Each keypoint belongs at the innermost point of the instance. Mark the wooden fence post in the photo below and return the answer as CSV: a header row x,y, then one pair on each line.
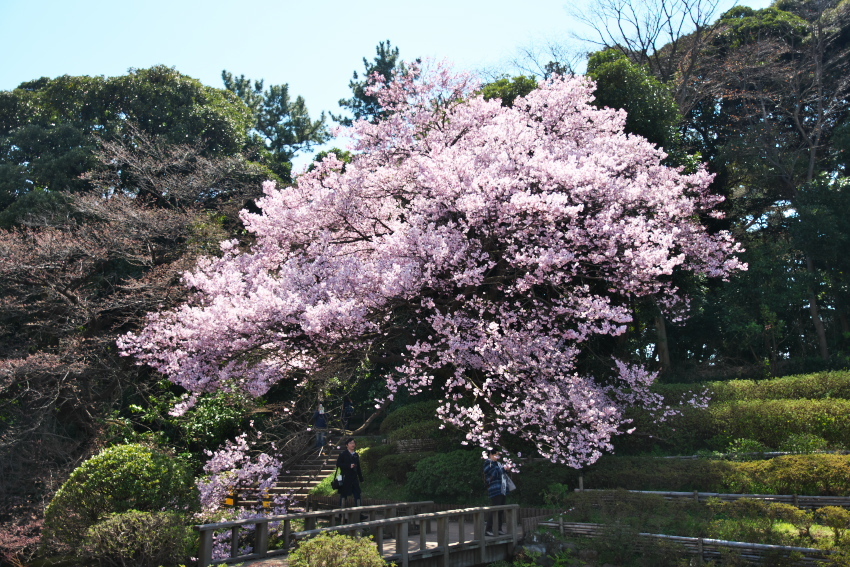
x,y
206,548
401,544
443,538
261,538
481,528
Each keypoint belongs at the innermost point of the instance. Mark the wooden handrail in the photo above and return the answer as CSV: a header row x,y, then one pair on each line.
x,y
403,555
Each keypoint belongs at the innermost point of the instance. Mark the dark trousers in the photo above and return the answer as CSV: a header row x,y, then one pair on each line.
x,y
499,500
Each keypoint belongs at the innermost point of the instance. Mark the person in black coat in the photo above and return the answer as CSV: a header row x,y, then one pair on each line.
x,y
352,475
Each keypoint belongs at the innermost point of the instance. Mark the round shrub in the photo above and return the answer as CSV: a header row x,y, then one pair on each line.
x,y
413,413
455,477
398,467
140,539
804,443
419,430
370,456
336,550
119,479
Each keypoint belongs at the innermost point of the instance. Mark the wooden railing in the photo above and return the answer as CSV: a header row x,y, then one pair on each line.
x,y
800,501
310,519
473,545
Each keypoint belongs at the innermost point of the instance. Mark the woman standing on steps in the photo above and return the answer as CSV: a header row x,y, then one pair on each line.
x,y
349,463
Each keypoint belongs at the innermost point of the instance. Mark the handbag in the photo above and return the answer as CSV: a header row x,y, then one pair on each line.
x,y
336,483
509,484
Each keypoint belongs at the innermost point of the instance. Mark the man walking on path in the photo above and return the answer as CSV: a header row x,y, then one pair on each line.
x,y
320,419
348,463
495,478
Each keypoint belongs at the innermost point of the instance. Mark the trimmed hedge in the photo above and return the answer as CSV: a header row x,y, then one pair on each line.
x,y
455,477
119,479
140,539
816,386
398,467
370,456
410,414
770,422
814,475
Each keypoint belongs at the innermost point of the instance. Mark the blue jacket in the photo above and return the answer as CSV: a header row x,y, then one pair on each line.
x,y
493,473
321,420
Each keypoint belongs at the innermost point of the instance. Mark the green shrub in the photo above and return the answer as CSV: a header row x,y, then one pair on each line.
x,y
823,475
370,456
769,422
448,477
804,443
816,386
119,479
772,421
336,550
407,415
837,519
745,447
535,477
397,467
140,539
819,474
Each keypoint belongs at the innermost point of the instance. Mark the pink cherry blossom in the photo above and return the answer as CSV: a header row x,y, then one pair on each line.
x,y
482,246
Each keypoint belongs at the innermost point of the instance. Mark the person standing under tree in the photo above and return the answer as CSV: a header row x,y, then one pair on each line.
x,y
320,418
347,411
496,480
349,464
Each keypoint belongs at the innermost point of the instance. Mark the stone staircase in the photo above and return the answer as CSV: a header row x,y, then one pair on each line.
x,y
303,475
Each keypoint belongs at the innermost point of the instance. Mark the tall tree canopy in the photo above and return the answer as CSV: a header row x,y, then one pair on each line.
x,y
364,104
50,128
469,246
282,127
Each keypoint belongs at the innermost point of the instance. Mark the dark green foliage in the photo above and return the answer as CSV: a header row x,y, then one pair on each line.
x,y
50,207
410,414
49,128
119,479
620,83
454,477
333,549
140,539
398,467
816,475
370,457
364,106
508,90
535,477
281,126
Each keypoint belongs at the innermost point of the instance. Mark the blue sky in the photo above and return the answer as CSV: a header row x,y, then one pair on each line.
x,y
313,46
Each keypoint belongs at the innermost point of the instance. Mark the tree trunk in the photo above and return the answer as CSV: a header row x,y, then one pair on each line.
x,y
662,346
372,417
815,313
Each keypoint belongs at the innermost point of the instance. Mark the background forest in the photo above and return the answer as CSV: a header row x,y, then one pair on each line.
x,y
112,187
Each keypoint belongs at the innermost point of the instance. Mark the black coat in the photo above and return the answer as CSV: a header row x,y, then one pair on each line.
x,y
350,476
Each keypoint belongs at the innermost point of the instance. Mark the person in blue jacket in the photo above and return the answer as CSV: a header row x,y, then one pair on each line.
x,y
320,419
495,478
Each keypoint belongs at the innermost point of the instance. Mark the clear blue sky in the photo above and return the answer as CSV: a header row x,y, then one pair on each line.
x,y
313,46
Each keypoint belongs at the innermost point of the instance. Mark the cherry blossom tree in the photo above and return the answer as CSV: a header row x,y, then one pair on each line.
x,y
469,246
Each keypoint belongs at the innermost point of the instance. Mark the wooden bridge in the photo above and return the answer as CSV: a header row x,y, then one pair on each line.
x,y
420,537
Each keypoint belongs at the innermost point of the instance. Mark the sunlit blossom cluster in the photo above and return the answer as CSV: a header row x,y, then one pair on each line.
x,y
507,237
